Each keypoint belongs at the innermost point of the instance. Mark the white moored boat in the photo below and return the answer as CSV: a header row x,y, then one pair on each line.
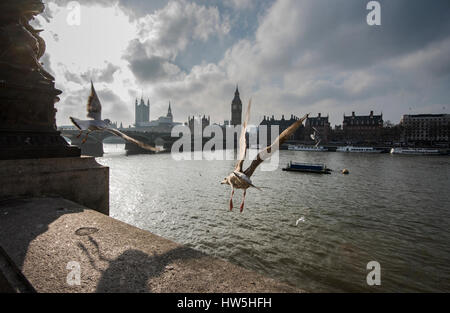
x,y
307,148
358,149
415,151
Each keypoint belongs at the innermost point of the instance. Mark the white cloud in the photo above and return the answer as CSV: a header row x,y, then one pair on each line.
x,y
169,30
240,4
433,60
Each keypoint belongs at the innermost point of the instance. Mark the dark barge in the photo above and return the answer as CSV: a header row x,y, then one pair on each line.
x,y
307,168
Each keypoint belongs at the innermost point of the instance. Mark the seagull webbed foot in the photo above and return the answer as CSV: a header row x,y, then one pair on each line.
x,y
243,199
231,200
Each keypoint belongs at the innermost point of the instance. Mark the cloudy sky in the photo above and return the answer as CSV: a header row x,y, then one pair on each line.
x,y
291,56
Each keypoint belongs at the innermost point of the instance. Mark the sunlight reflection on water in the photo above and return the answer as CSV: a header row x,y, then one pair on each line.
x,y
392,209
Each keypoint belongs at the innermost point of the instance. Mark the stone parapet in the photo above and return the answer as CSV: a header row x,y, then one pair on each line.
x,y
80,179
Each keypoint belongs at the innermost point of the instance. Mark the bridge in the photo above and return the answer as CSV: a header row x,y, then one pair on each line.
x,y
94,143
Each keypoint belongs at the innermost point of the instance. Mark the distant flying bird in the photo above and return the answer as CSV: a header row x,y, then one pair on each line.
x,y
95,123
241,179
301,219
315,136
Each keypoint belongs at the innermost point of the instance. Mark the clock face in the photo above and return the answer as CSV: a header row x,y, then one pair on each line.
x,y
234,107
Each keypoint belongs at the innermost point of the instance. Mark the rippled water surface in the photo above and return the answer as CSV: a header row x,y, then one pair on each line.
x,y
390,209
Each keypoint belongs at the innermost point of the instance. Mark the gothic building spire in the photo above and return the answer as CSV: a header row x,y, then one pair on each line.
x,y
142,111
169,112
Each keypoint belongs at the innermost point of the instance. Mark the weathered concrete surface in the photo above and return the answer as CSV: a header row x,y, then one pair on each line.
x,y
43,235
79,179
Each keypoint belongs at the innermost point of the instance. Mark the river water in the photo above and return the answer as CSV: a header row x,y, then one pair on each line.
x,y
316,232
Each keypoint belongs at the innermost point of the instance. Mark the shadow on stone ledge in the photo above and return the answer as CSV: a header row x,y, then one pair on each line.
x,y
131,271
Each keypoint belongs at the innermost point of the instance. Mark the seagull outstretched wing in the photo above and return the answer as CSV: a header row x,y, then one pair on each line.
x,y
80,124
243,140
88,124
94,107
267,152
130,139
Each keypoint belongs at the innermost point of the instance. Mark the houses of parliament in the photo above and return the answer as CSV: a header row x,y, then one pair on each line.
x,y
143,122
356,129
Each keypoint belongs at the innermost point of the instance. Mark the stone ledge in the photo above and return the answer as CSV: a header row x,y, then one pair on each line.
x,y
42,235
80,179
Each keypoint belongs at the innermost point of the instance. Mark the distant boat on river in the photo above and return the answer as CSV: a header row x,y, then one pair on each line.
x,y
415,151
307,148
307,167
358,149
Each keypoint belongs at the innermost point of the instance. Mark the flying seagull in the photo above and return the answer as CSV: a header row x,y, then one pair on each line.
x,y
241,179
301,219
315,136
95,122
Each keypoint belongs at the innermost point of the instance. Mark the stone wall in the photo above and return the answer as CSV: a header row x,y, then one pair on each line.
x,y
81,180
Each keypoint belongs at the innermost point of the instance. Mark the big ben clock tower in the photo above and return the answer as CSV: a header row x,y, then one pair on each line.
x,y
236,109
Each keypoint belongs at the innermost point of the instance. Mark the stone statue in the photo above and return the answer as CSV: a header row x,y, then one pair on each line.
x,y
21,47
27,90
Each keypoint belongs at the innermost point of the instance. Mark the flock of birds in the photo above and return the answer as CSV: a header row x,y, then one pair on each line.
x,y
238,179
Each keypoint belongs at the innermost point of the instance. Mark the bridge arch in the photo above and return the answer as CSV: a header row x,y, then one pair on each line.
x,y
94,143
